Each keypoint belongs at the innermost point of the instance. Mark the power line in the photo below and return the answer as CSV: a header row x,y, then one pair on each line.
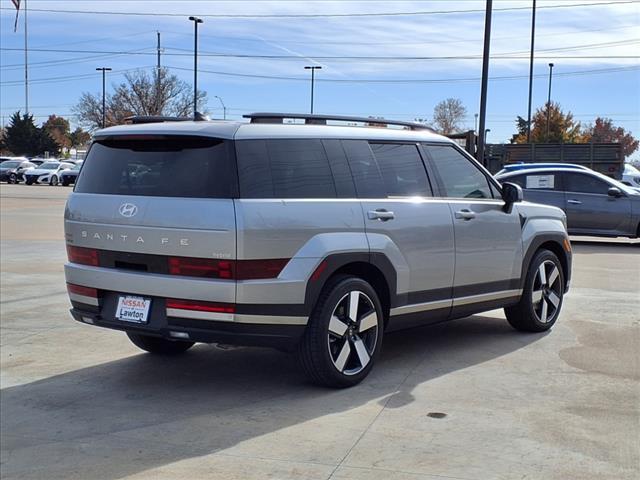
x,y
70,77
326,15
340,80
69,61
331,57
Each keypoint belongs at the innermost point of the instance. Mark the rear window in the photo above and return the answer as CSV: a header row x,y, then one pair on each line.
x,y
160,166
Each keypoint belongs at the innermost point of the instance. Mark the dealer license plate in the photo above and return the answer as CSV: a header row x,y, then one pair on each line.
x,y
133,309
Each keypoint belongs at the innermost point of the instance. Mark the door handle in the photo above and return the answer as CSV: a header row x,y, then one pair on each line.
x,y
574,202
465,214
380,214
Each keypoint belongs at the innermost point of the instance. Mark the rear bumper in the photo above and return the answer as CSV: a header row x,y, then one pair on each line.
x,y
205,331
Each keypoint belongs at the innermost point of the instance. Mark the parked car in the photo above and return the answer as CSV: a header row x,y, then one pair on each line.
x,y
67,177
514,167
11,170
594,203
314,238
631,176
48,172
39,161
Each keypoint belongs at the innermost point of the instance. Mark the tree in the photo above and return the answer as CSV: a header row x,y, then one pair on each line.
x,y
79,137
562,127
58,129
448,114
159,93
22,137
521,126
603,131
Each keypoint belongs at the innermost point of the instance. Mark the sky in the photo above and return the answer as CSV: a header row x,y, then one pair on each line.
x,y
594,45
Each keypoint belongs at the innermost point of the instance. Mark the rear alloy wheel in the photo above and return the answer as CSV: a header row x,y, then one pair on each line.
x,y
53,181
541,300
13,178
344,333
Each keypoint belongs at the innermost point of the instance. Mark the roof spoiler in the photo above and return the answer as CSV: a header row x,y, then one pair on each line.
x,y
137,119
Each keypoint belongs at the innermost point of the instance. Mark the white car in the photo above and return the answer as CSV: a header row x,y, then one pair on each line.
x,y
48,172
631,176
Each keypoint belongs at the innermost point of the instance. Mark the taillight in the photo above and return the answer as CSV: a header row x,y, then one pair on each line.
x,y
80,290
200,306
84,256
201,267
226,269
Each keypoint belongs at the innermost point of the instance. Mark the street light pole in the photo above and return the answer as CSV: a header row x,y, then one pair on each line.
x,y
533,39
549,100
195,21
224,109
313,70
104,71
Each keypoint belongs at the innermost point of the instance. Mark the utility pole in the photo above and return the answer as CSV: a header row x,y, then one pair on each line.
x,y
26,62
158,112
195,21
485,81
104,71
549,100
533,39
313,78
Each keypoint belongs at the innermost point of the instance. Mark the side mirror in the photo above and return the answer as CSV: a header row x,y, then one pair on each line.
x,y
511,193
614,192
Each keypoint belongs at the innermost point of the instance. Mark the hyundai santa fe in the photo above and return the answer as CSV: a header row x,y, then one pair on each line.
x,y
301,233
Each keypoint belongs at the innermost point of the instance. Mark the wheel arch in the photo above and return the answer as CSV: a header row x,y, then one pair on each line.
x,y
375,268
554,243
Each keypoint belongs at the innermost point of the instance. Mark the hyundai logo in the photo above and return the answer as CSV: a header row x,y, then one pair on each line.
x,y
128,210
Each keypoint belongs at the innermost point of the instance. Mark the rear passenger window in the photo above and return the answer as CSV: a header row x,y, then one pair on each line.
x,y
364,169
402,170
582,183
284,169
459,177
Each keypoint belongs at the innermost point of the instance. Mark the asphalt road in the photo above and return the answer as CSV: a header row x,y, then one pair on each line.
x,y
471,399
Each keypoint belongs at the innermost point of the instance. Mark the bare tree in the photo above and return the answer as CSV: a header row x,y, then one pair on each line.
x,y
448,115
159,93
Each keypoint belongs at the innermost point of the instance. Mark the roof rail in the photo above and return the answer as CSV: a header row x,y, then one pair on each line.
x,y
314,119
199,117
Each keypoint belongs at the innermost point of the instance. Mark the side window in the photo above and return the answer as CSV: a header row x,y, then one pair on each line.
x,y
364,169
284,169
581,183
402,170
460,178
340,169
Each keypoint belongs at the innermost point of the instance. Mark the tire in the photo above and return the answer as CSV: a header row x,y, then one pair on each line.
x,y
65,182
53,181
542,297
28,182
13,179
158,345
339,348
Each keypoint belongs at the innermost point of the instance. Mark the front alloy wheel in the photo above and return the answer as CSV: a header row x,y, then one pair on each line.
x,y
546,292
541,300
13,178
53,181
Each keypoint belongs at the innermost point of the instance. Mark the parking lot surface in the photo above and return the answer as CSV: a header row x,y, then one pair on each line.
x,y
470,399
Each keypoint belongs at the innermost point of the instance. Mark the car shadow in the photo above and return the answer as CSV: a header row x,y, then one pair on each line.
x,y
137,413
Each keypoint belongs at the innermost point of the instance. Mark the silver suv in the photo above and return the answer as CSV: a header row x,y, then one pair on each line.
x,y
307,236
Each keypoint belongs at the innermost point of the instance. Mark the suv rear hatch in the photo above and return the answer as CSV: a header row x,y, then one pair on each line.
x,y
142,199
